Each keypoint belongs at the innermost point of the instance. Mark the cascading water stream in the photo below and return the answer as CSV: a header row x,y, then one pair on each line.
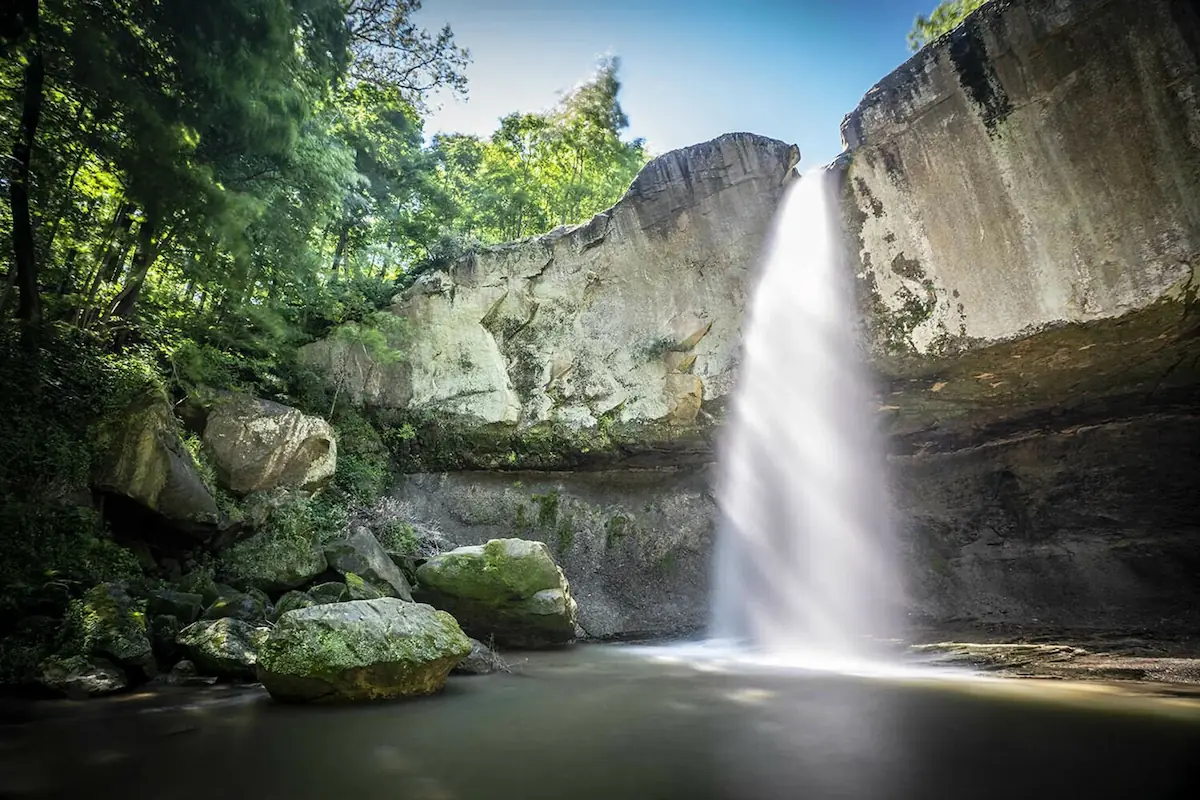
x,y
804,563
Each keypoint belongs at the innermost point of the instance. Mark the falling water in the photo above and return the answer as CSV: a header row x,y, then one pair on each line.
x,y
803,559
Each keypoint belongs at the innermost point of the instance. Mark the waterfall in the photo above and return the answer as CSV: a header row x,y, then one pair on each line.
x,y
804,562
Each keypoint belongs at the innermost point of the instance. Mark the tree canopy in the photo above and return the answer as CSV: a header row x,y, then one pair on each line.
x,y
236,176
943,19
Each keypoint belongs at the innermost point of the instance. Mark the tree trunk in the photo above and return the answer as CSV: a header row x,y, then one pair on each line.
x,y
110,261
143,258
29,307
339,252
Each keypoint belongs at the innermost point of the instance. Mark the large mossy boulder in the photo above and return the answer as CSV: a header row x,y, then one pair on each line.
x,y
361,650
225,648
148,463
284,554
509,589
184,606
360,553
107,623
81,676
258,445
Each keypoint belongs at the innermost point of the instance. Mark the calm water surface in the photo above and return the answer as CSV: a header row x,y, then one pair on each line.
x,y
608,722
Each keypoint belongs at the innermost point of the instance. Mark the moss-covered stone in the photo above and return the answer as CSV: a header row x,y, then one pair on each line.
x,y
284,555
242,605
184,606
509,589
81,676
329,592
361,650
358,589
291,601
107,622
226,648
164,629
360,553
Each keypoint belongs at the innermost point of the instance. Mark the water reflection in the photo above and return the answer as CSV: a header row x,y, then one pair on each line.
x,y
606,722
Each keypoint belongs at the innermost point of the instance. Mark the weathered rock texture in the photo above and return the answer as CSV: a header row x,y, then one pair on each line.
x,y
148,464
258,445
1026,192
1024,200
507,589
362,650
620,331
636,545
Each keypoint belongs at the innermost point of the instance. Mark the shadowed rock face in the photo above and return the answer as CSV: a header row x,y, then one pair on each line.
x,y
1023,198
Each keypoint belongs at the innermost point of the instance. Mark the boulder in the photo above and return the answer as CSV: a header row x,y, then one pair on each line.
x,y
148,463
508,588
108,623
329,592
283,555
258,445
226,647
360,553
482,660
185,673
361,650
81,676
184,606
358,589
291,601
241,605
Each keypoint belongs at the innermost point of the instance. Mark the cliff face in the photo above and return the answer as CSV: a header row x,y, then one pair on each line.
x,y
1022,199
617,331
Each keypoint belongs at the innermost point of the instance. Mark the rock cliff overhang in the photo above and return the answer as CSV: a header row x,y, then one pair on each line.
x,y
1023,196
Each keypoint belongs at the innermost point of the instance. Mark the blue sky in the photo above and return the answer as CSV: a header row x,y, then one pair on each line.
x,y
690,70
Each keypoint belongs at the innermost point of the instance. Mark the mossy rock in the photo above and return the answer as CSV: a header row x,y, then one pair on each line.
x,y
329,592
82,676
184,606
164,629
358,589
509,589
246,606
291,601
361,554
277,558
225,648
361,650
108,623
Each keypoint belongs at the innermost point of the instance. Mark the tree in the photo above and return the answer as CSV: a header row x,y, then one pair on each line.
x,y
945,18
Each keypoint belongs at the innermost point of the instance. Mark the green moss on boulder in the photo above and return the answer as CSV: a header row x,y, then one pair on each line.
x,y
361,650
509,589
108,623
81,676
226,648
284,555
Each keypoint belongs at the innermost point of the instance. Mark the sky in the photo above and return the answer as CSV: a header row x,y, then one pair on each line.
x,y
690,69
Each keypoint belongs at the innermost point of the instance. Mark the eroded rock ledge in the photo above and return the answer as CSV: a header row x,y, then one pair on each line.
x,y
612,339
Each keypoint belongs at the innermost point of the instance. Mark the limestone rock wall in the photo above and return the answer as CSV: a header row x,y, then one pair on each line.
x,y
1040,165
631,318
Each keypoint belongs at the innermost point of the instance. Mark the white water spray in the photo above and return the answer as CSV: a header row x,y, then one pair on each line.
x,y
804,567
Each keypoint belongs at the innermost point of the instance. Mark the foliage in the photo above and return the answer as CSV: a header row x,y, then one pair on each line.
x,y
943,19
